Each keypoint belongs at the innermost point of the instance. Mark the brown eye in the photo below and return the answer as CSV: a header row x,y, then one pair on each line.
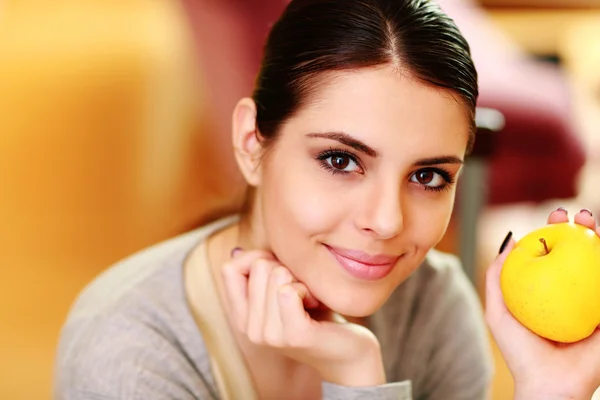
x,y
425,177
340,162
431,178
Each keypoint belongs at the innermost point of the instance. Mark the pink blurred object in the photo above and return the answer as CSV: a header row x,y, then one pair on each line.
x,y
229,36
538,154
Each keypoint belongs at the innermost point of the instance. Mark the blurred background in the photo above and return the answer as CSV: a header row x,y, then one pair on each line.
x,y
114,135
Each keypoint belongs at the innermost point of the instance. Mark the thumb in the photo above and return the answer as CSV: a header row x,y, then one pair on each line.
x,y
308,299
591,345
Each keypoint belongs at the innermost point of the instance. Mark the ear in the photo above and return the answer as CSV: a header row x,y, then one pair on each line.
x,y
246,144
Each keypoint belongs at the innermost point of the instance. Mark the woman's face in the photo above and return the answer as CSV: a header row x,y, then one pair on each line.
x,y
360,184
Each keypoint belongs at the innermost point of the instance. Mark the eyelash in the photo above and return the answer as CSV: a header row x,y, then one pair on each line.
x,y
323,156
445,174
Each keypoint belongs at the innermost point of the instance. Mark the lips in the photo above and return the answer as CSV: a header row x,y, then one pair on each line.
x,y
362,265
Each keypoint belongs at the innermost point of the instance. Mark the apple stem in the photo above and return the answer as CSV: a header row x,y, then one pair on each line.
x,y
545,245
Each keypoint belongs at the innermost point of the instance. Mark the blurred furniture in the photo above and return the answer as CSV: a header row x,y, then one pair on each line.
x,y
535,100
538,128
573,36
227,68
472,195
580,52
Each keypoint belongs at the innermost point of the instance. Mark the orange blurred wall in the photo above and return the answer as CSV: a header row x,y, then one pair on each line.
x,y
98,139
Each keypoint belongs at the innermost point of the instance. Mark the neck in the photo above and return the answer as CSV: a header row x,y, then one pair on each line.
x,y
250,233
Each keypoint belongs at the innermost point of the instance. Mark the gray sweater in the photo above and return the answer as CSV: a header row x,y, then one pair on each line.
x,y
131,335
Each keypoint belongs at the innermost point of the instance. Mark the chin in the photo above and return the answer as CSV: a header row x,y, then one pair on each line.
x,y
350,306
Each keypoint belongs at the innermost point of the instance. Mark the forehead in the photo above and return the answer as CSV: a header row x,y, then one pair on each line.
x,y
386,110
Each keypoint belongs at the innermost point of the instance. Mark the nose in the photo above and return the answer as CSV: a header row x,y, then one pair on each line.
x,y
381,213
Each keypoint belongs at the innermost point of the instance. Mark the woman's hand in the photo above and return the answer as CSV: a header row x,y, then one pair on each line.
x,y
542,369
270,308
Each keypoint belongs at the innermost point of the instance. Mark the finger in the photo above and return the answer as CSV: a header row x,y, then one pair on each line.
x,y
307,297
235,280
585,218
557,216
243,259
258,283
494,301
273,331
297,324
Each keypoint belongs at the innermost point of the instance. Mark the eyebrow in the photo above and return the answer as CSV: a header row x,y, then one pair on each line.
x,y
346,139
356,144
438,160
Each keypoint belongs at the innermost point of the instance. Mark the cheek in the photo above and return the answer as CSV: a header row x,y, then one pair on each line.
x,y
298,206
437,223
429,220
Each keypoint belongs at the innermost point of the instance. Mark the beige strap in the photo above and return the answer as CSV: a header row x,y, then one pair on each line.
x,y
229,369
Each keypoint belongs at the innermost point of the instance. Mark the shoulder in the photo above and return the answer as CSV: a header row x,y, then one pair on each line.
x,y
442,288
441,266
440,318
436,290
443,273
124,288
436,283
118,357
153,272
132,323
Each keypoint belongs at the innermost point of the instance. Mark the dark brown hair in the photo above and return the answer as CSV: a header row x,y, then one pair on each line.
x,y
313,37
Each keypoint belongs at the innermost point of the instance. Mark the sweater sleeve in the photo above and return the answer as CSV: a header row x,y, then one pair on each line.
x,y
390,391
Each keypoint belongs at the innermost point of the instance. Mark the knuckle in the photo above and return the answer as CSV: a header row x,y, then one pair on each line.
x,y
264,254
261,265
255,336
228,269
240,325
281,273
297,341
273,339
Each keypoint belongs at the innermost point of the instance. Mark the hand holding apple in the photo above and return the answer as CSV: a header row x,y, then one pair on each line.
x,y
551,282
542,368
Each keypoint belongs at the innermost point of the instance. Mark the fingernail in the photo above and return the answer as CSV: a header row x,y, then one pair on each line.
x,y
505,242
562,209
235,251
587,211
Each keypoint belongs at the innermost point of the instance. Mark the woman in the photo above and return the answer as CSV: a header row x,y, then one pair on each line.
x,y
326,284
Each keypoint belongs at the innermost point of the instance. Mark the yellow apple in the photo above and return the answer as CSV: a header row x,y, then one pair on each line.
x,y
551,282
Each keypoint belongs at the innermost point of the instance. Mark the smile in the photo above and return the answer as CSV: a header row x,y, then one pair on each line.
x,y
362,265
